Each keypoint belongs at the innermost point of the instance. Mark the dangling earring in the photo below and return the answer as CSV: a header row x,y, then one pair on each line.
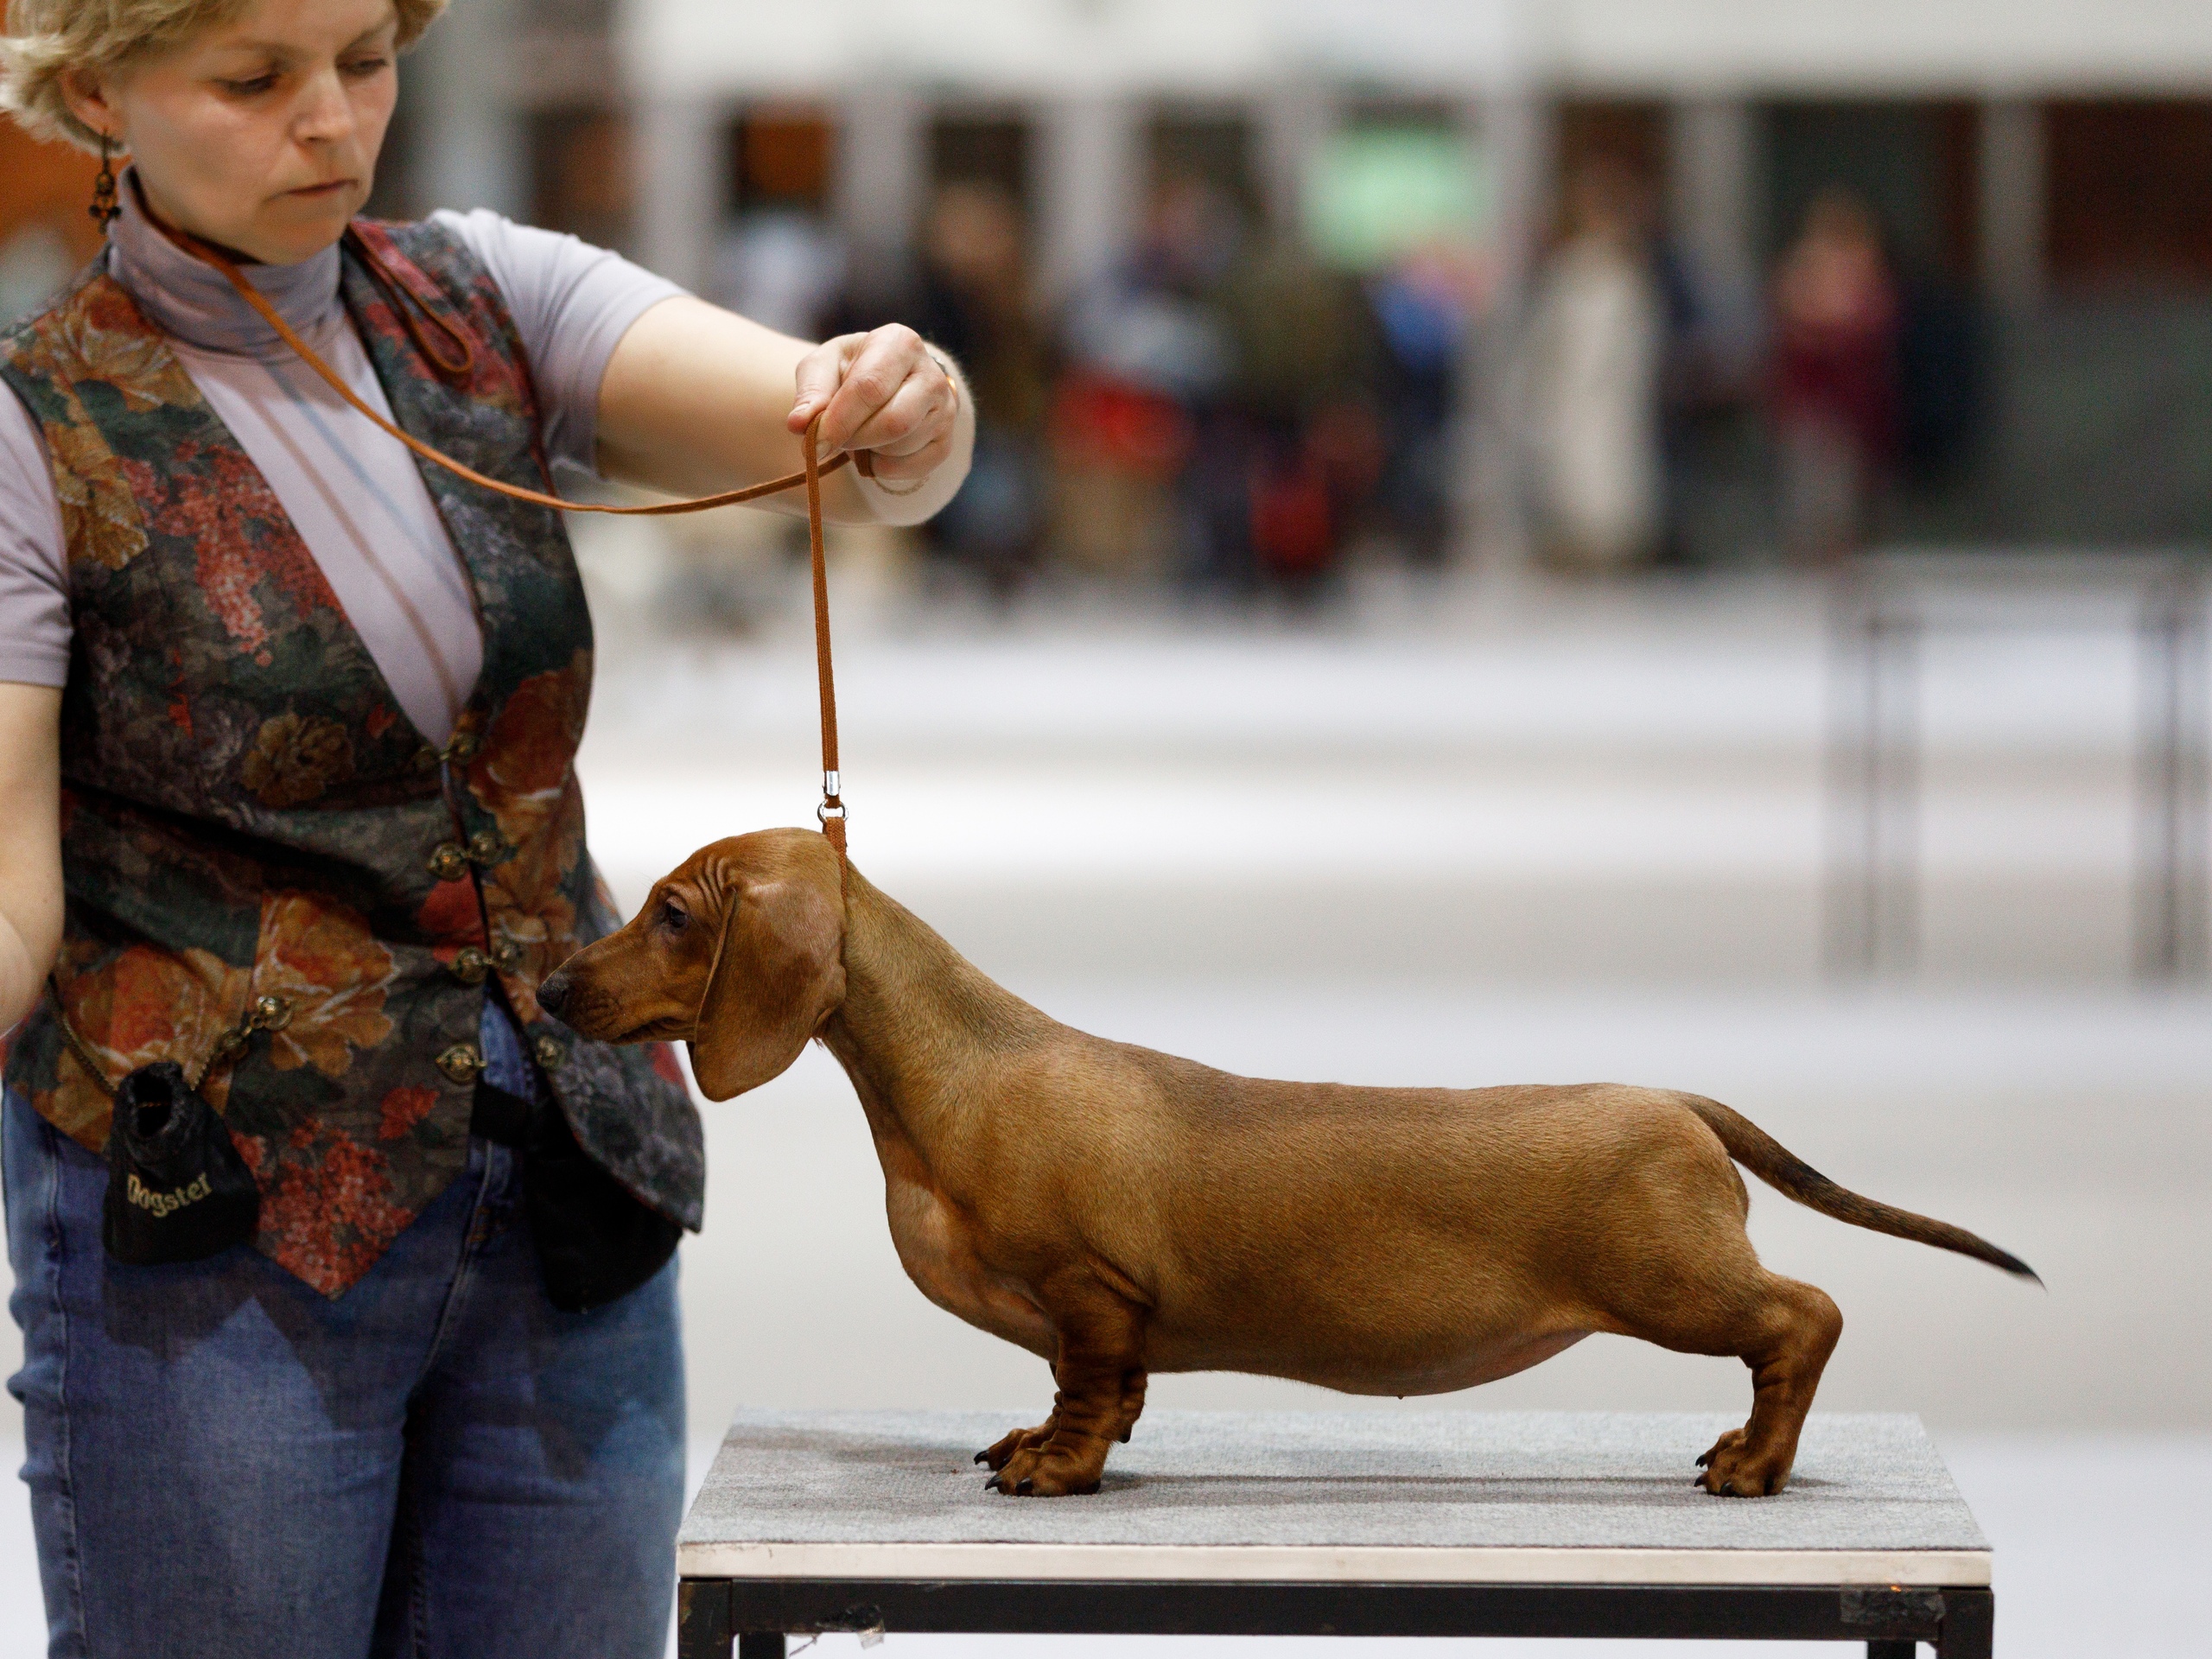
x,y
105,210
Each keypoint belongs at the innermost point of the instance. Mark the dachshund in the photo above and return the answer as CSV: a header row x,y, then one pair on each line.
x,y
1119,1211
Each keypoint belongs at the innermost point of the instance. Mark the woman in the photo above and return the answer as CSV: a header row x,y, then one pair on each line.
x,y
1834,376
286,734
1596,334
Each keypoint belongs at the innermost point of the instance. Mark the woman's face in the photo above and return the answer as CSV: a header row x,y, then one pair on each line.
x,y
262,134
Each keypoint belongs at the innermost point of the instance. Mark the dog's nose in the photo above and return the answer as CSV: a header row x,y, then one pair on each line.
x,y
553,993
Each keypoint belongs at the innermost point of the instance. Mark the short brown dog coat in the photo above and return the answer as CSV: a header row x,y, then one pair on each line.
x,y
1119,1212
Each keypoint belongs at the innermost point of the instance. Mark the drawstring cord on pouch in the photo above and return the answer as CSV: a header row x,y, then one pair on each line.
x,y
266,1014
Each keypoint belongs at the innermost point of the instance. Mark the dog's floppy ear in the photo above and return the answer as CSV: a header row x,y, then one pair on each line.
x,y
779,969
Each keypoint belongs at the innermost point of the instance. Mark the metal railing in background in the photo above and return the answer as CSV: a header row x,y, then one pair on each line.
x,y
1883,611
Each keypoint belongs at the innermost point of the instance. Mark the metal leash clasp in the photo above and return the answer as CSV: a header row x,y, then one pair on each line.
x,y
832,806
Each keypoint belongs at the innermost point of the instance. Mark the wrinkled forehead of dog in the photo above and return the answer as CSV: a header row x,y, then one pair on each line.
x,y
738,949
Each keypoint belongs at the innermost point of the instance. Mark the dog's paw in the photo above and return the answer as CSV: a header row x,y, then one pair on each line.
x,y
1022,1440
1053,1469
1733,1469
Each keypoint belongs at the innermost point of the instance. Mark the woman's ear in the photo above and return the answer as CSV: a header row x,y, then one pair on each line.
x,y
779,970
88,98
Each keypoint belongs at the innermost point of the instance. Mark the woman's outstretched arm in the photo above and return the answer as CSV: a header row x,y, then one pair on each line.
x,y
31,844
698,399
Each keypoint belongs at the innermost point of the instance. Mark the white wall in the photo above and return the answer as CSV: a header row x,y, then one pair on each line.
x,y
1684,47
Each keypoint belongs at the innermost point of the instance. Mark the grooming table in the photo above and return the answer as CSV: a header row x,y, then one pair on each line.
x,y
1343,1523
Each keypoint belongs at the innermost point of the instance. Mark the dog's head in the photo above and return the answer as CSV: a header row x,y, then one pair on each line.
x,y
739,950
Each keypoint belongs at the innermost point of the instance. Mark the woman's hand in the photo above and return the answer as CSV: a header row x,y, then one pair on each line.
x,y
698,399
883,394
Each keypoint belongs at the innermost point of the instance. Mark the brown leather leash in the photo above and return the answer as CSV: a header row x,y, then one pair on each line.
x,y
831,814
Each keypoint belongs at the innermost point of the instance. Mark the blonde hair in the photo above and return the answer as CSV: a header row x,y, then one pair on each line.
x,y
49,39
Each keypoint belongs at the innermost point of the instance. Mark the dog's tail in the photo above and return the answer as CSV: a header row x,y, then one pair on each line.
x,y
1787,1174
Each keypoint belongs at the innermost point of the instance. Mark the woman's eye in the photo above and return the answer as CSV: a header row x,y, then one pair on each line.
x,y
362,68
253,88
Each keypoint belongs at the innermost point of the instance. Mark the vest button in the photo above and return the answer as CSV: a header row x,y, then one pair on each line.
x,y
461,1063
469,965
551,1054
463,746
488,847
272,1013
449,862
506,955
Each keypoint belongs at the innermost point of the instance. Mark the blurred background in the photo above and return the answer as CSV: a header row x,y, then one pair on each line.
x,y
1511,540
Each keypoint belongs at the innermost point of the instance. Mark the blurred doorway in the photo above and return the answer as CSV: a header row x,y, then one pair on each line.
x,y
985,148
780,161
1212,146
1627,134
1912,162
580,174
2129,181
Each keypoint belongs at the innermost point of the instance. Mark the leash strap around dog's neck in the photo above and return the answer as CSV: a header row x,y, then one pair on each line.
x,y
831,813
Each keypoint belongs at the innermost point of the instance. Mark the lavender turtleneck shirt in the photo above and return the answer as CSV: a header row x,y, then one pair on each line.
x,y
354,493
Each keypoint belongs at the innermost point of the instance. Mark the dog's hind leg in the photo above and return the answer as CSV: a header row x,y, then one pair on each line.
x,y
1784,1331
1102,1377
1787,1346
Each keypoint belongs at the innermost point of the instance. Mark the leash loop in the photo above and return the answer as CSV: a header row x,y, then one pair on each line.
x,y
209,254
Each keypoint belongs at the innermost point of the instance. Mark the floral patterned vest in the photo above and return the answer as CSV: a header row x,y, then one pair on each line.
x,y
249,820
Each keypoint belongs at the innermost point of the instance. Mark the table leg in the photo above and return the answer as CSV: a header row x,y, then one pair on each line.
x,y
702,1619
1969,1624
754,1644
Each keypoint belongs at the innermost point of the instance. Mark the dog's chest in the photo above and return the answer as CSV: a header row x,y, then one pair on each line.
x,y
934,1248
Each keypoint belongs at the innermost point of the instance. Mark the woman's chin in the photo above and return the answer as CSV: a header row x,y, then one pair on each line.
x,y
296,228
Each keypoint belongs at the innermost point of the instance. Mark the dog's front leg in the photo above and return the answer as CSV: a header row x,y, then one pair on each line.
x,y
1022,1440
1101,1375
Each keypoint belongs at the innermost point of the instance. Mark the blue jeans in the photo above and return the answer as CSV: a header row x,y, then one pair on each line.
x,y
225,1464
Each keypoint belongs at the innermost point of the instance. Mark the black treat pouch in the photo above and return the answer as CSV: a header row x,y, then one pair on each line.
x,y
596,1241
177,1190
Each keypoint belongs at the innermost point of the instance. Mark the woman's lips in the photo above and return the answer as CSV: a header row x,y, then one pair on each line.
x,y
320,190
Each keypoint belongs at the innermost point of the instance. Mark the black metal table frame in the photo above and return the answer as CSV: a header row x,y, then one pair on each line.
x,y
749,1617
1882,609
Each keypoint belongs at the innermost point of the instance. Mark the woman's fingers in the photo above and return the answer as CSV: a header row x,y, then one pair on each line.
x,y
880,391
819,375
920,464
918,414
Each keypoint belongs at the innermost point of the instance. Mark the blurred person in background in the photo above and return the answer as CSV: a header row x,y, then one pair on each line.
x,y
1422,303
1832,379
972,295
1242,373
1304,364
1595,342
287,806
1145,456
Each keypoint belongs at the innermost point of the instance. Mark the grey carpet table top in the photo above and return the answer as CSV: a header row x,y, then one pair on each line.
x,y
1336,1497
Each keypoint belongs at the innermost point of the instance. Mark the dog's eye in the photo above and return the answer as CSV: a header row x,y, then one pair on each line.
x,y
674,918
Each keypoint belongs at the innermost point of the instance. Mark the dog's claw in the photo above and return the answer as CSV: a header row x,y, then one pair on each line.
x,y
983,1457
1026,1487
1703,1459
992,1484
1125,1435
1728,1488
